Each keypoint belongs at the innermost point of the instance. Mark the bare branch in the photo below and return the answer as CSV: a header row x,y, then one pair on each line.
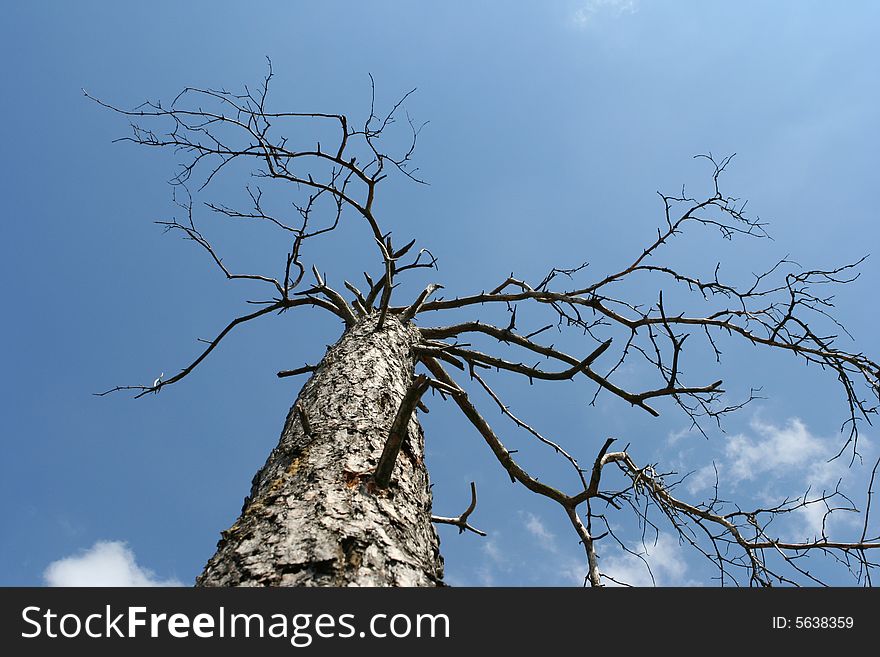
x,y
555,446
398,433
462,521
389,280
410,312
784,307
211,346
501,453
732,528
306,369
357,295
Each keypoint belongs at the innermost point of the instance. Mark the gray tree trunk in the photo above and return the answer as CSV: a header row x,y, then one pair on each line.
x,y
312,518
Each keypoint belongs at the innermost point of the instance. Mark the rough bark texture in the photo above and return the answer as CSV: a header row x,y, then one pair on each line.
x,y
313,518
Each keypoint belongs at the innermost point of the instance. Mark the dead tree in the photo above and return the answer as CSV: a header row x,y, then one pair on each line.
x,y
344,498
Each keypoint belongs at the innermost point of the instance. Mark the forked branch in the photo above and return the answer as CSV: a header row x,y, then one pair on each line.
x,y
462,521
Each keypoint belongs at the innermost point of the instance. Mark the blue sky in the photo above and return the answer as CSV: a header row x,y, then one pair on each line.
x,y
552,126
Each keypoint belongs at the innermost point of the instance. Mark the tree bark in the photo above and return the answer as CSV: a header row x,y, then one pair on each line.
x,y
314,517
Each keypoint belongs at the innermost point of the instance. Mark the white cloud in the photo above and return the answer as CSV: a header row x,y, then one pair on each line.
x,y
106,563
674,436
537,529
664,558
811,518
497,561
806,523
776,457
558,566
485,576
491,549
825,472
572,571
587,12
704,478
775,450
790,452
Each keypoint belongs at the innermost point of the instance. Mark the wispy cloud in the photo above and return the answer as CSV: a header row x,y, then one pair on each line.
x,y
664,557
588,11
812,519
789,452
536,528
774,448
775,458
106,563
674,436
572,572
492,550
558,566
700,480
783,453
485,576
496,561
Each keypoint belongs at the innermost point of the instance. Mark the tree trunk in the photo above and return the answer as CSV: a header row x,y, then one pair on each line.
x,y
313,518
